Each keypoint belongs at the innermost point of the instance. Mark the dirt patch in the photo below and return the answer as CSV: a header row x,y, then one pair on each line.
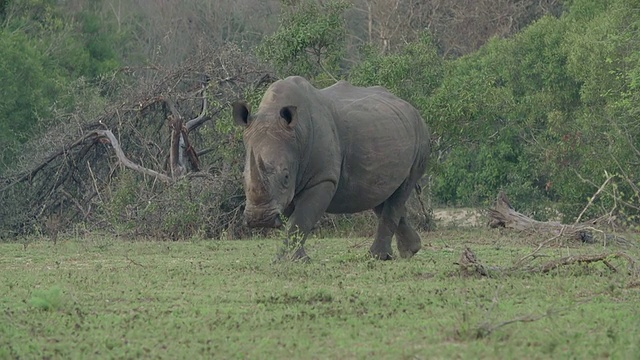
x,y
463,217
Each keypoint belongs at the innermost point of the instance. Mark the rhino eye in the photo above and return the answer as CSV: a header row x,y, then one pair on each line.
x,y
269,170
285,178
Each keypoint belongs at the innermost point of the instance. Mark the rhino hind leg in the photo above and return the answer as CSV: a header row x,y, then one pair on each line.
x,y
390,213
407,238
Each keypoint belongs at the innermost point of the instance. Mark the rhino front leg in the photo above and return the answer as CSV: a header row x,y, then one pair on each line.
x,y
310,205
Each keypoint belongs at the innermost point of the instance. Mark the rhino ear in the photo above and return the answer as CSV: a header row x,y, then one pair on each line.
x,y
241,113
290,115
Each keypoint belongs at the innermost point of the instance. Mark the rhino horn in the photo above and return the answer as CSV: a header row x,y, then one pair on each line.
x,y
256,179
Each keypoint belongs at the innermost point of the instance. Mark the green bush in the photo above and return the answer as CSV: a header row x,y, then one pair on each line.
x,y
48,300
544,115
310,40
28,91
412,74
43,55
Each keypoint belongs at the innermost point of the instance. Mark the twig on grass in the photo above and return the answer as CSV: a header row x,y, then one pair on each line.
x,y
485,330
586,259
469,263
133,261
535,252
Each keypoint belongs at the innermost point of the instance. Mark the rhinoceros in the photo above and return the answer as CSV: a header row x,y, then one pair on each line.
x,y
341,149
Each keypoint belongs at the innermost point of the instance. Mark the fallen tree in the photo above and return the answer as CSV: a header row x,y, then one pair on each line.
x,y
134,167
503,215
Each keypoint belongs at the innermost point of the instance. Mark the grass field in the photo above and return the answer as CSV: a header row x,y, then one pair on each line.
x,y
99,297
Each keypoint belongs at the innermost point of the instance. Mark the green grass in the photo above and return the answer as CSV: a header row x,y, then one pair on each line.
x,y
104,298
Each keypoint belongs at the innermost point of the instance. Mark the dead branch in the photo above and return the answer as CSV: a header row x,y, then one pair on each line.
x,y
30,174
586,259
504,215
95,134
123,159
66,173
200,119
133,261
591,199
486,329
611,193
535,252
470,265
176,163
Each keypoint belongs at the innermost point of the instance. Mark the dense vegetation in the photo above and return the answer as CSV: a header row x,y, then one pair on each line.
x,y
541,103
44,58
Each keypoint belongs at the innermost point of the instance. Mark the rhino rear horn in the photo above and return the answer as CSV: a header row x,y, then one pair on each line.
x,y
241,113
290,115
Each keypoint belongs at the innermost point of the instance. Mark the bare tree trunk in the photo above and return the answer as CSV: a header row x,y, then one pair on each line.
x,y
176,162
370,22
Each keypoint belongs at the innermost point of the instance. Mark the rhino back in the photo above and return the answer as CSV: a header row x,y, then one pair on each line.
x,y
381,137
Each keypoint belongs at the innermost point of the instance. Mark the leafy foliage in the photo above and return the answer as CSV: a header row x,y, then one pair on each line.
x,y
544,115
603,55
27,87
492,111
310,40
413,73
43,55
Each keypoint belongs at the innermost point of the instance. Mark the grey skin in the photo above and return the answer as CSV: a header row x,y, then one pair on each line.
x,y
341,149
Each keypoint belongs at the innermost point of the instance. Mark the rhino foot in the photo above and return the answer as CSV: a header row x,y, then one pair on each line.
x,y
407,253
408,240
381,255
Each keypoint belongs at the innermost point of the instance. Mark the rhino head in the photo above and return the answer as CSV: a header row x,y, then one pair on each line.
x,y
271,162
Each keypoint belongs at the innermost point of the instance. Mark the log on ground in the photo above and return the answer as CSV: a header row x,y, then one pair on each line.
x,y
504,215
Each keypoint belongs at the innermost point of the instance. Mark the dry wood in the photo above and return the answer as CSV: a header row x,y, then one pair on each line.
x,y
123,159
586,259
200,119
176,163
30,174
591,199
470,265
487,329
73,170
504,215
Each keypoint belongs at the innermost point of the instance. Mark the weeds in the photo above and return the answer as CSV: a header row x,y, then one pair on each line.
x,y
48,300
